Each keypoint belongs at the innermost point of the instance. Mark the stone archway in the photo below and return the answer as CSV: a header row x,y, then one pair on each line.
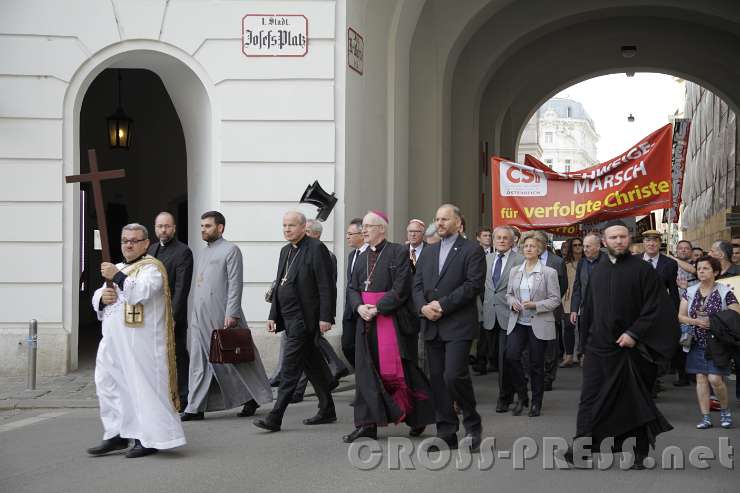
x,y
191,93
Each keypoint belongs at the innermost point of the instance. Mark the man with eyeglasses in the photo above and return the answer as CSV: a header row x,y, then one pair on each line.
x,y
356,244
178,261
135,365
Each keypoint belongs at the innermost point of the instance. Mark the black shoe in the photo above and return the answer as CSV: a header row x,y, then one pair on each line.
x,y
548,386
534,410
480,369
681,383
475,442
415,432
249,409
361,432
639,463
140,451
275,382
266,424
342,373
296,398
109,445
502,406
192,416
321,419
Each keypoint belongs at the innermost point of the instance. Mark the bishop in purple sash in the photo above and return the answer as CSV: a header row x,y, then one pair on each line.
x,y
390,387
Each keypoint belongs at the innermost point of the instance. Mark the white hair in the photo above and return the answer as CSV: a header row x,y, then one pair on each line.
x,y
376,218
301,216
314,226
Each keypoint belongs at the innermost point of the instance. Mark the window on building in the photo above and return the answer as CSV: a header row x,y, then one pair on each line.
x,y
567,161
548,137
567,167
570,112
548,161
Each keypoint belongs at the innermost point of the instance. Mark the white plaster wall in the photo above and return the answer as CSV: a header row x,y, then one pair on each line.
x,y
257,130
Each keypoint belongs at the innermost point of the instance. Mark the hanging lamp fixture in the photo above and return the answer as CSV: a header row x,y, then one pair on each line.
x,y
120,125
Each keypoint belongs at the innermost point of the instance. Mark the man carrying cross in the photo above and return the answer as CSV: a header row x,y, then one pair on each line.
x,y
135,374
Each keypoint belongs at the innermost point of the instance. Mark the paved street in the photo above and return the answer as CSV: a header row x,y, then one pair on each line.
x,y
43,450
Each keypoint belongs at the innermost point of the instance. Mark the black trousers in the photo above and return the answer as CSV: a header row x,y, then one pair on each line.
x,y
450,381
302,354
182,359
349,326
552,355
569,335
335,363
505,388
523,337
487,354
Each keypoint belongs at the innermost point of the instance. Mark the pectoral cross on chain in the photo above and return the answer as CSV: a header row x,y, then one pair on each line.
x,y
367,284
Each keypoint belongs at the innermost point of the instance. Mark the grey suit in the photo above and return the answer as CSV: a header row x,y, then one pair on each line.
x,y
495,319
546,295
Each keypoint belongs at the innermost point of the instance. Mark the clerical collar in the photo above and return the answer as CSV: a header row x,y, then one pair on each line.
x,y
165,243
379,246
300,242
135,260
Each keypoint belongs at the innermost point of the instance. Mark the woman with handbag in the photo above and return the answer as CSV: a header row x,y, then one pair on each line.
x,y
533,295
699,302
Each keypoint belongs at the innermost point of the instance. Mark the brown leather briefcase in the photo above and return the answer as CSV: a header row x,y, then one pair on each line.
x,y
231,346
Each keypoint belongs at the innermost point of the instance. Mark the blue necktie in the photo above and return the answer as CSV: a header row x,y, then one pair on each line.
x,y
497,269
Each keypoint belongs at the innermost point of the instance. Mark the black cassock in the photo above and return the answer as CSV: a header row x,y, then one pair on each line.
x,y
390,272
616,396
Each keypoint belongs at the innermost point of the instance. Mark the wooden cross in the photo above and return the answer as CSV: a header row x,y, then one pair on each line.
x,y
96,177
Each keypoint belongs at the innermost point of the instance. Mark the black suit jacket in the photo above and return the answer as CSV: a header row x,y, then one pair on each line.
x,y
349,315
456,288
311,279
558,264
667,270
178,262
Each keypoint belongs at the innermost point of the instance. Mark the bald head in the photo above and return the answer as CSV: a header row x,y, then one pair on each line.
x,y
164,226
294,226
448,220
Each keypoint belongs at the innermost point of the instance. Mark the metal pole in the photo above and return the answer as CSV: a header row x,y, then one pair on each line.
x,y
32,344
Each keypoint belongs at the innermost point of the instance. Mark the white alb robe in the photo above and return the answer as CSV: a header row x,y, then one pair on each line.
x,y
132,366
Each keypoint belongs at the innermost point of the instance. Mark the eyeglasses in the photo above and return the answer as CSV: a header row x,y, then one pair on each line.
x,y
131,242
353,234
414,231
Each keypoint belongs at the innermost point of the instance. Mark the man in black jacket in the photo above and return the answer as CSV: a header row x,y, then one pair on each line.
x,y
178,261
448,280
303,307
356,242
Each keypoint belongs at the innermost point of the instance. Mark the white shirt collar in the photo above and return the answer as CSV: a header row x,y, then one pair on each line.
x,y
450,240
364,247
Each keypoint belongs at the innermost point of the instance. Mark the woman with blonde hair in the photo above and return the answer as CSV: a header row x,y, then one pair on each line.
x,y
533,295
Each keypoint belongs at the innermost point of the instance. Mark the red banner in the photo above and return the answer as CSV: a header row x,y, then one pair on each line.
x,y
533,196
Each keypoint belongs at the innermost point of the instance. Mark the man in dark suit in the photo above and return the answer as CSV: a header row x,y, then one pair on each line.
x,y
357,245
338,368
667,270
449,278
303,307
552,353
178,261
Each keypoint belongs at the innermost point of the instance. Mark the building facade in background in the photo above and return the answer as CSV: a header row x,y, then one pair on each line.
x,y
562,135
710,189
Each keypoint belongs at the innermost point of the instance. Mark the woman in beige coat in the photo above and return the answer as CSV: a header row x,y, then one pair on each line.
x,y
533,295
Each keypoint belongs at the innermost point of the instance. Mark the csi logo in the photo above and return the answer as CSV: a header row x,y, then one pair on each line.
x,y
519,175
521,181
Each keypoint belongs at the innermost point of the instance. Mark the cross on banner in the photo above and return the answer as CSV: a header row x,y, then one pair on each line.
x,y
96,177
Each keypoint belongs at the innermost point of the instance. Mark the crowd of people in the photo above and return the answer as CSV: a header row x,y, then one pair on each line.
x,y
418,317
